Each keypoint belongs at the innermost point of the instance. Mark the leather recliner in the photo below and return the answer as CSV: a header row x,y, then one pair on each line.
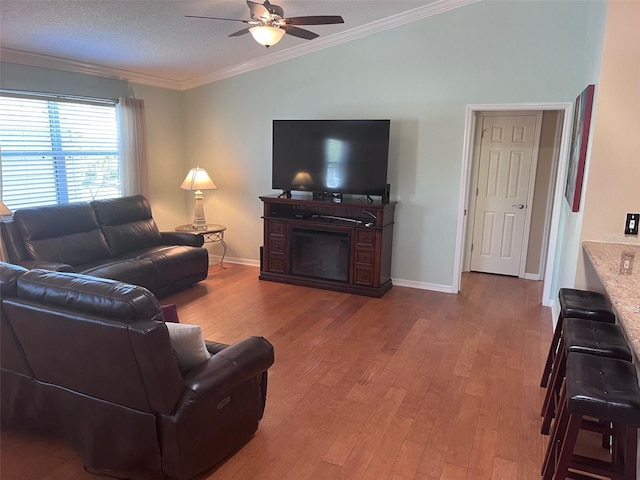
x,y
114,238
91,359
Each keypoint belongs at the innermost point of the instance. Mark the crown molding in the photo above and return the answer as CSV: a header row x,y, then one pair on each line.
x,y
409,16
73,66
58,63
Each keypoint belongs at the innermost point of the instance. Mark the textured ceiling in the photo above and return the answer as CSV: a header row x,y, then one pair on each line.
x,y
153,41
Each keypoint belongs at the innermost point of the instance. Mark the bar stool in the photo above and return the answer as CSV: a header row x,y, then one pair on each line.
x,y
576,304
581,336
602,388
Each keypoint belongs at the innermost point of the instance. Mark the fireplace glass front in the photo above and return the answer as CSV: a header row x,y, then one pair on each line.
x,y
320,254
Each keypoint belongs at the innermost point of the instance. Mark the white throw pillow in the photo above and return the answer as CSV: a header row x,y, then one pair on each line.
x,y
188,343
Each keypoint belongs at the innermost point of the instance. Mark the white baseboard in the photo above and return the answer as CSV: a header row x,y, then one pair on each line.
x,y
396,281
423,286
215,260
531,276
434,287
555,311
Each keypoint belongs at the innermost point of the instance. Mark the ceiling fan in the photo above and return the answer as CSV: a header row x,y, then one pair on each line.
x,y
269,23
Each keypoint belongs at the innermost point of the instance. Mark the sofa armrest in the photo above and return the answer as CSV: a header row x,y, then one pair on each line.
x,y
44,265
180,238
230,367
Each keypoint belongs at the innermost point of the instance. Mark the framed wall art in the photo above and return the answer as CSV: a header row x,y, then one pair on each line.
x,y
578,153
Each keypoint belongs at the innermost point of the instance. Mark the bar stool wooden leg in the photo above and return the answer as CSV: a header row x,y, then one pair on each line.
x,y
630,453
567,445
553,349
551,402
549,462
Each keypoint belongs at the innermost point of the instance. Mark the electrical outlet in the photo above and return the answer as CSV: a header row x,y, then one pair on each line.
x,y
626,263
631,225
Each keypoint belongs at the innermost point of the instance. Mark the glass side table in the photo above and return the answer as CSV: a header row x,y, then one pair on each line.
x,y
213,233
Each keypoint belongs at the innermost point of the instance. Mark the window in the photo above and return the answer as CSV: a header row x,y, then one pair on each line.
x,y
58,150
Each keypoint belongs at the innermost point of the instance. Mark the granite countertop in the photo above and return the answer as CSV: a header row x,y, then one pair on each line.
x,y
618,268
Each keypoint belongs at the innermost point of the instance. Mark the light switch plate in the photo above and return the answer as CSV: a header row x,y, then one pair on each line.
x,y
631,225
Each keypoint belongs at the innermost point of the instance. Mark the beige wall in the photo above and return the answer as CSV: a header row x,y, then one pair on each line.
x,y
167,162
613,183
544,172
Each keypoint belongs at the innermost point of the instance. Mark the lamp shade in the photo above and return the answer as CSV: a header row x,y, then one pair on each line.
x,y
4,210
266,35
198,179
302,180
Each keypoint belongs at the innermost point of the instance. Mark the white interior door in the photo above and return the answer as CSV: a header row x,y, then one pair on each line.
x,y
505,176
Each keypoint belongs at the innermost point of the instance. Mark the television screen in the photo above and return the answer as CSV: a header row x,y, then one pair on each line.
x,y
341,156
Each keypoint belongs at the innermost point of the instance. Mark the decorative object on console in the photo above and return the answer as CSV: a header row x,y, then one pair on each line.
x,y
197,180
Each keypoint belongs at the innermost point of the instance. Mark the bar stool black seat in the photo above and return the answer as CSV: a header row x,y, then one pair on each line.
x,y
576,304
581,336
602,388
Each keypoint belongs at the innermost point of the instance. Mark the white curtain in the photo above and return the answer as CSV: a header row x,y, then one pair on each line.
x,y
132,141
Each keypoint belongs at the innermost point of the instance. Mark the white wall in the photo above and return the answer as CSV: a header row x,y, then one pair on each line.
x,y
420,75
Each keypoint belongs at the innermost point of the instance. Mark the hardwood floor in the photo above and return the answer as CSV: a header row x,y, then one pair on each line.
x,y
415,385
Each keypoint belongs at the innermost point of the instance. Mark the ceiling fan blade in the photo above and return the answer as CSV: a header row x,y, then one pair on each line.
x,y
273,9
240,32
217,18
314,20
299,32
258,10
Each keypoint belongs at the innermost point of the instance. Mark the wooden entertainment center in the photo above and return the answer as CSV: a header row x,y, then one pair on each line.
x,y
342,246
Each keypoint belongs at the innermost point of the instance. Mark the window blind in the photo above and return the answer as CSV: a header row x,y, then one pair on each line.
x,y
57,151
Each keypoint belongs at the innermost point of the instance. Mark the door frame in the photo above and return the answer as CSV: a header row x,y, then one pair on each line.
x,y
475,163
465,178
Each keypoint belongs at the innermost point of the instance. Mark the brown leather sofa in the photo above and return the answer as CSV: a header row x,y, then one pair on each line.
x,y
90,359
114,238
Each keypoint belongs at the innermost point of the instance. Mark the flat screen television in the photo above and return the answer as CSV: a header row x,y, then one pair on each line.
x,y
331,156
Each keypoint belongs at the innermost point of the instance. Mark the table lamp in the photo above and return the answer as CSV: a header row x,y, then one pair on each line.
x,y
198,179
4,212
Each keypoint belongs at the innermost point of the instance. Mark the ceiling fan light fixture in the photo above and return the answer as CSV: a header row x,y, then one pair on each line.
x,y
267,35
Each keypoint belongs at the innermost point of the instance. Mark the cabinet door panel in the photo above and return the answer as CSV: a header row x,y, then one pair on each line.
x,y
363,275
277,245
277,264
365,237
277,228
364,256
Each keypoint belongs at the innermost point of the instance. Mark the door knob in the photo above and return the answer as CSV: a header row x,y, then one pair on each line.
x,y
520,206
